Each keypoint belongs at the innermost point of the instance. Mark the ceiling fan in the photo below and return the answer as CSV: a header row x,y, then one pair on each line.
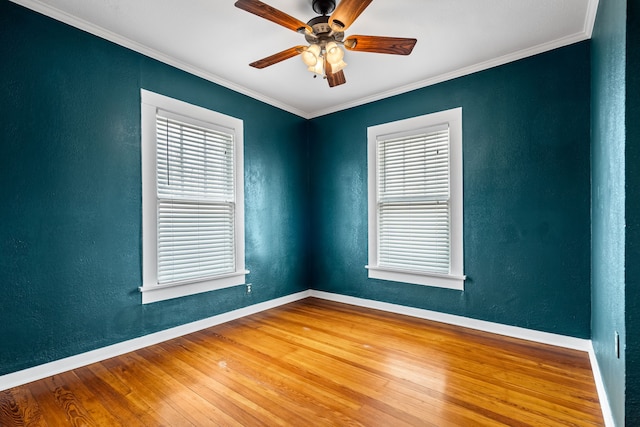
x,y
325,34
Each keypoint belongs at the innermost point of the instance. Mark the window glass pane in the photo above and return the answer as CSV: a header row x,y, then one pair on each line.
x,y
194,240
416,166
193,162
195,187
413,208
414,236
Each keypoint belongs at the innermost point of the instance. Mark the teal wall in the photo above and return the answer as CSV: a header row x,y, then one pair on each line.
x,y
70,172
526,194
632,254
70,231
610,164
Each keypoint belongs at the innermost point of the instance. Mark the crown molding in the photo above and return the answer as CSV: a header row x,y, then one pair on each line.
x,y
480,66
590,19
54,13
41,7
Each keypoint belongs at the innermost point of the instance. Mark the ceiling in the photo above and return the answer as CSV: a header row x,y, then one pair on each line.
x,y
216,41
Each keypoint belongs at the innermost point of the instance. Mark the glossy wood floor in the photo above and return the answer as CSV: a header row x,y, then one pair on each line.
x,y
317,363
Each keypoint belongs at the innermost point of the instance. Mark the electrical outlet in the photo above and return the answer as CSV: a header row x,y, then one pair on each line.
x,y
617,344
248,288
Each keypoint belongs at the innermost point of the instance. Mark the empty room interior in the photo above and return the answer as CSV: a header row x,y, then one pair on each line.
x,y
501,289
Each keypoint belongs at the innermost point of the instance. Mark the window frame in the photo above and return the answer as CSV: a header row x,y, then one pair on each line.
x,y
455,278
152,291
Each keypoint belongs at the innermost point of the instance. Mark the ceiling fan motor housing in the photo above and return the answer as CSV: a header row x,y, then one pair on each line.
x,y
323,7
322,31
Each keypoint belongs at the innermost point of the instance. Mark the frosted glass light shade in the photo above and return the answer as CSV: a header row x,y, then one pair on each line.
x,y
338,67
334,53
318,68
311,55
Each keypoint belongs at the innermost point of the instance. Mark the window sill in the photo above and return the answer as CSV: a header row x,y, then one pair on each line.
x,y
448,281
155,293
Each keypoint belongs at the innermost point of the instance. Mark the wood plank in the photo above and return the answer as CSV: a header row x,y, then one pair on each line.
x,y
27,406
79,396
236,380
128,411
472,368
371,385
10,412
291,380
321,363
146,390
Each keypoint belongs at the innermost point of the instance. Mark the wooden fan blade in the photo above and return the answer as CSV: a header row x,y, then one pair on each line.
x,y
278,57
272,14
377,44
346,12
334,79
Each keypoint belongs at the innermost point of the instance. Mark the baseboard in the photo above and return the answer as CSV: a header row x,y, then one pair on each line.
x,y
467,322
28,375
607,414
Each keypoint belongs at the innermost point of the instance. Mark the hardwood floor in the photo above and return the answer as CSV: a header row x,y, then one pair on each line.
x,y
319,363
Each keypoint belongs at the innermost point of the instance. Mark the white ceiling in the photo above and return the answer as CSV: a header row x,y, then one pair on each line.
x,y
215,40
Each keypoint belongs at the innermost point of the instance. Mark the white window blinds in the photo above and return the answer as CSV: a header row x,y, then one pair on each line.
x,y
413,201
195,200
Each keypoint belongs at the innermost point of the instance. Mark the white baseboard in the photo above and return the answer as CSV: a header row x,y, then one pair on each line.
x,y
467,322
28,375
607,414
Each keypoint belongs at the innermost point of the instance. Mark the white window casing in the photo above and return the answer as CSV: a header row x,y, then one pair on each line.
x,y
415,200
192,199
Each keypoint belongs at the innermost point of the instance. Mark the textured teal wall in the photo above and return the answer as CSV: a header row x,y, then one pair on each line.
x,y
632,254
70,232
608,197
70,172
526,194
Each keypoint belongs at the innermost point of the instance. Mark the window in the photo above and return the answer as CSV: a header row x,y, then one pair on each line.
x,y
415,200
192,199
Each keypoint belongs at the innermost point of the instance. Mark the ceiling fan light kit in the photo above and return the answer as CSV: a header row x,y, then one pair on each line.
x,y
325,35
